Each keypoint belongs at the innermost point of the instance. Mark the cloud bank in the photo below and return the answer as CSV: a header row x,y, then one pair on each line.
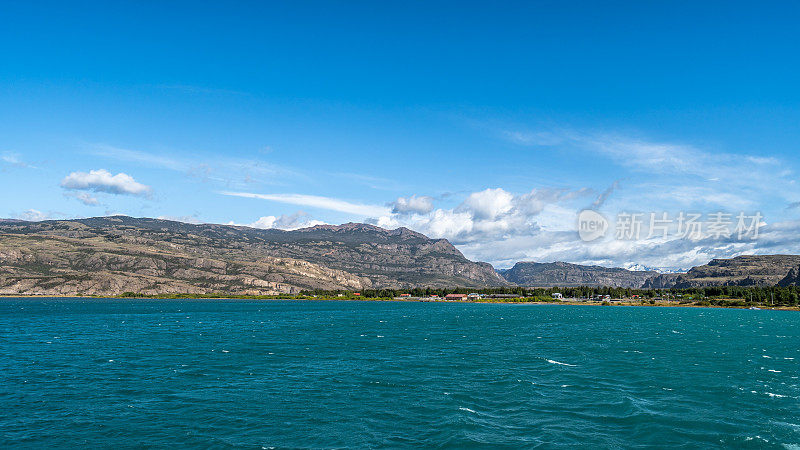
x,y
294,221
315,201
103,181
414,204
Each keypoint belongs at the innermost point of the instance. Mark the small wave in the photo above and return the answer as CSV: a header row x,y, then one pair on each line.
x,y
560,363
774,371
775,395
461,408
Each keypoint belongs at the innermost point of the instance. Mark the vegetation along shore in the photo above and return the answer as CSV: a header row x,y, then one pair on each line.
x,y
785,298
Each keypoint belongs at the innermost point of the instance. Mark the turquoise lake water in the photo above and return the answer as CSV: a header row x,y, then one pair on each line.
x,y
197,373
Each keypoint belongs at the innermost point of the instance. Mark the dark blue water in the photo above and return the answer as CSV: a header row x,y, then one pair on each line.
x,y
132,373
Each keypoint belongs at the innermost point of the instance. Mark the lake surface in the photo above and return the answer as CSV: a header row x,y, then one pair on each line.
x,y
132,373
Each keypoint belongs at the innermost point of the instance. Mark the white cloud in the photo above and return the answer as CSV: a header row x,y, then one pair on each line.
x,y
502,228
149,159
373,182
650,156
700,196
560,242
14,159
220,170
32,215
539,138
421,204
601,199
11,158
294,221
185,219
487,215
447,223
314,201
103,181
84,197
537,200
488,204
667,165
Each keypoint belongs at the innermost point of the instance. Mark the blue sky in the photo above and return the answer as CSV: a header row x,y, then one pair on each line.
x,y
489,125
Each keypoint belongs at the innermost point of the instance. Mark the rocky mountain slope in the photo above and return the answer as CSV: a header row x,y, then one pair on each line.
x,y
110,255
747,270
563,274
792,278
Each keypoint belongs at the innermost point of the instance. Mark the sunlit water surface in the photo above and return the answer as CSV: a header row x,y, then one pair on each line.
x,y
132,373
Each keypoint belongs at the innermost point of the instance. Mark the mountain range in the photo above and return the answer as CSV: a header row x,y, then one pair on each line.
x,y
745,270
110,255
116,254
568,275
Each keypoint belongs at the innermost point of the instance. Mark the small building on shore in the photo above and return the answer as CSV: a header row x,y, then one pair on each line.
x,y
455,297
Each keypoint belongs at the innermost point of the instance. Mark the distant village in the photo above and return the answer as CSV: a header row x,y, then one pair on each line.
x,y
556,296
474,296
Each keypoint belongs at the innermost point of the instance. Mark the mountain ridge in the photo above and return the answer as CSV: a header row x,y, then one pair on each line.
x,y
563,274
743,270
101,254
104,255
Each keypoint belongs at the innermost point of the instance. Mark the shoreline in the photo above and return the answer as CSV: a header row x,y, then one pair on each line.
x,y
565,302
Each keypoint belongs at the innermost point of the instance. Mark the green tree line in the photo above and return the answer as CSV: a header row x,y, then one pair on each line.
x,y
764,295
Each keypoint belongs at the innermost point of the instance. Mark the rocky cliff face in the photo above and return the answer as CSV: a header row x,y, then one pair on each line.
x,y
110,255
566,275
792,278
662,281
747,270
